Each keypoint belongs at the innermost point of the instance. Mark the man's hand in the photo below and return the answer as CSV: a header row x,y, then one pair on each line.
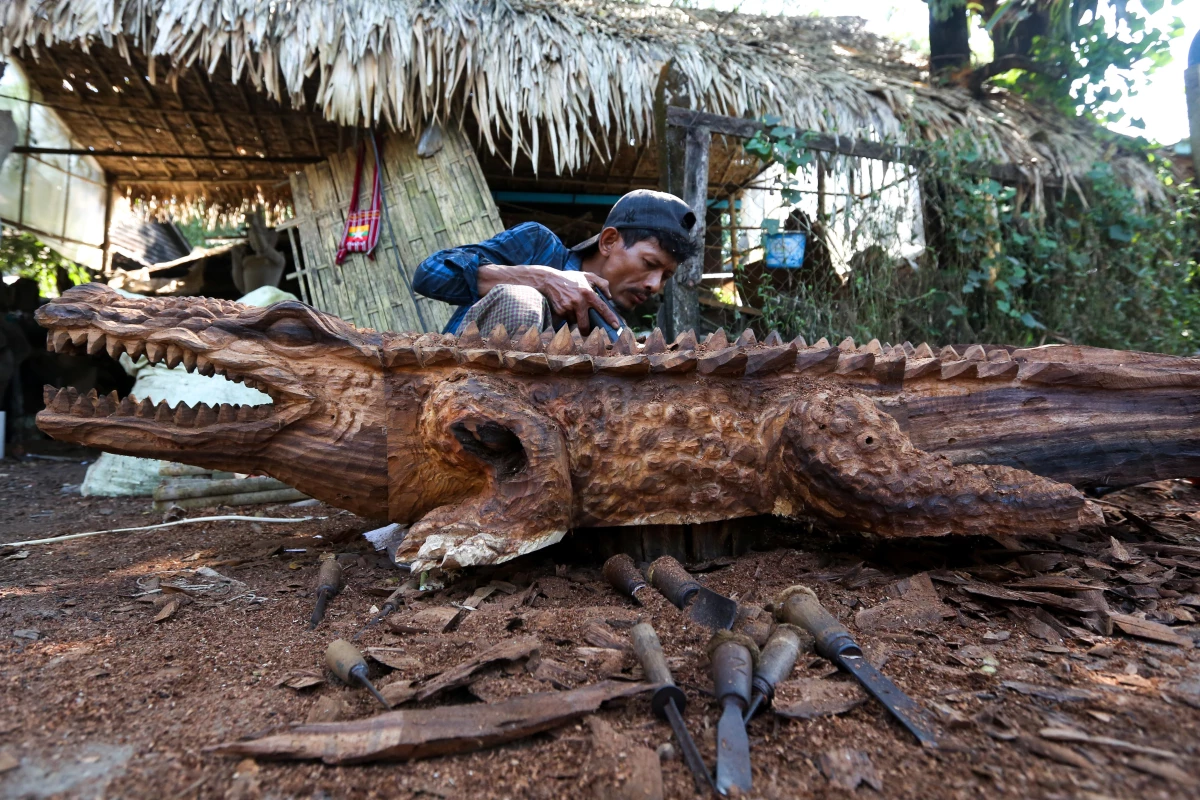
x,y
570,293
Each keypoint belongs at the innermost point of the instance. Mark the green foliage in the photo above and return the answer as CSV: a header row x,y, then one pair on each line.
x,y
1084,69
1104,269
25,255
783,144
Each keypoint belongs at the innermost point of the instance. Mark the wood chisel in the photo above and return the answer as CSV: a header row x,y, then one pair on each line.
x,y
669,701
732,658
799,606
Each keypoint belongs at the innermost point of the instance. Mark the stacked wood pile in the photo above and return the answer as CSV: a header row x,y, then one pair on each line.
x,y
195,487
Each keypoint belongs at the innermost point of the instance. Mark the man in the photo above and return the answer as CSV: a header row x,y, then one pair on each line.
x,y
526,277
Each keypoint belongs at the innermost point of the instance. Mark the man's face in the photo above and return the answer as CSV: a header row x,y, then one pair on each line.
x,y
636,272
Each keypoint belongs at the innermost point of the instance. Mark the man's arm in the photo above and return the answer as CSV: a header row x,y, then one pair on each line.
x,y
452,275
462,275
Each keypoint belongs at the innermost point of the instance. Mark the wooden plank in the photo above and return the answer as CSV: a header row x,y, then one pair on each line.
x,y
830,143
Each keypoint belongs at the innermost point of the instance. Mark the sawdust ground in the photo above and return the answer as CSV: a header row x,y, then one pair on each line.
x,y
107,702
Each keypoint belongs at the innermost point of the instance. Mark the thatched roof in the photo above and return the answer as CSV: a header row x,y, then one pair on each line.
x,y
557,82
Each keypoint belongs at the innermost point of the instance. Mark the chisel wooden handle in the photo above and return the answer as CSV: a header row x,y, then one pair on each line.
x,y
624,576
778,657
331,576
654,664
799,606
732,659
676,584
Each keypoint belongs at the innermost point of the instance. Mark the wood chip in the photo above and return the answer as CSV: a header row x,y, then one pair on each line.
x,y
1054,693
329,708
621,768
557,674
1118,551
398,692
1163,770
819,698
433,620
508,650
1154,631
846,769
916,605
8,761
426,732
1062,734
302,679
394,657
167,611
1054,752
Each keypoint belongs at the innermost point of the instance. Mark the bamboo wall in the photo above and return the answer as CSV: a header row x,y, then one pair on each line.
x,y
433,203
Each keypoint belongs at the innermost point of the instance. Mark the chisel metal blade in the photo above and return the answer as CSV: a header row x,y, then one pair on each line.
x,y
691,753
901,706
733,751
714,611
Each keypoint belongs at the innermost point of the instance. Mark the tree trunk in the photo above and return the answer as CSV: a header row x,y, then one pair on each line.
x,y
1015,38
949,39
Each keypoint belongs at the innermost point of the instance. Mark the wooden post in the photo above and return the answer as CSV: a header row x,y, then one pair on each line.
x,y
683,171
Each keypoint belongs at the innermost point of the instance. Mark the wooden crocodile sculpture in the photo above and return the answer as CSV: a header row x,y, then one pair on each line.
x,y
493,446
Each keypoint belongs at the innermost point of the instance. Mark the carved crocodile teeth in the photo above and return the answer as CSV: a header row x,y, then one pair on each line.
x,y
563,344
174,356
205,367
746,339
115,348
61,339
470,339
820,344
530,342
136,350
923,351
685,341
106,405
246,413
716,340
873,347
95,343
800,344
226,414
975,353
84,406
184,415
62,401
163,412
79,338
948,353
48,394
655,343
145,408
625,344
126,408
155,351
773,340
204,415
189,361
596,344
498,339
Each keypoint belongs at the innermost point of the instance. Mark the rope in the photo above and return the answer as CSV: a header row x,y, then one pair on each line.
x,y
162,525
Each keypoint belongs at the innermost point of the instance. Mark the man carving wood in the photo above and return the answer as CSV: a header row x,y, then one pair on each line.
x,y
526,278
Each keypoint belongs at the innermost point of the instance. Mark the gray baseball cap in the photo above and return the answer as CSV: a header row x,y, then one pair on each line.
x,y
645,208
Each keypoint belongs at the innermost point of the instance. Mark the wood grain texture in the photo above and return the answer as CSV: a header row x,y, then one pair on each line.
x,y
494,445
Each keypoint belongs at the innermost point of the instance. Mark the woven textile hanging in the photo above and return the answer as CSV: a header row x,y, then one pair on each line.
x,y
362,227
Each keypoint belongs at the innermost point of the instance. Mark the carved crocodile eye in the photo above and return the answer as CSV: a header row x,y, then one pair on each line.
x,y
289,331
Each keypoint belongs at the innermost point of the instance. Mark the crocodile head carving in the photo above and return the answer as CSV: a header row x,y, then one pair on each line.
x,y
323,376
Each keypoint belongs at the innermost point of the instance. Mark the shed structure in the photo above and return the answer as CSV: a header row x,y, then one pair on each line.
x,y
549,109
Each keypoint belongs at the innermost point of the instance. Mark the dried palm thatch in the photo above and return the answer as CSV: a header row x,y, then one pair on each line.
x,y
545,75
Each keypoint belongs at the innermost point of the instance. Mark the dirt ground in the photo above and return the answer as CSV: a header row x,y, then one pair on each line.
x,y
102,700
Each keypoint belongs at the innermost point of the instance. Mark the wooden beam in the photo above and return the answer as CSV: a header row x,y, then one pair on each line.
x,y
677,146
78,151
841,145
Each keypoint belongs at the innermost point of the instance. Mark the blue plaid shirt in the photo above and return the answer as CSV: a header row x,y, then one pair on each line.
x,y
451,275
